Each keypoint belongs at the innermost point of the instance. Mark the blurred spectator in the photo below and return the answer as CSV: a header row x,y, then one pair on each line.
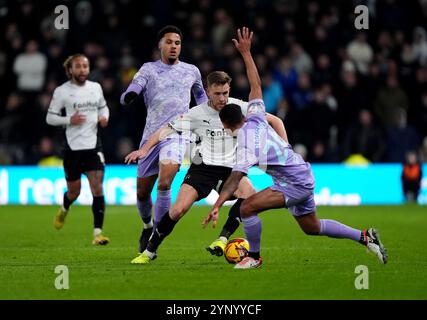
x,y
420,45
323,72
223,30
411,177
302,95
350,98
11,119
365,138
360,52
272,93
46,154
300,59
319,117
402,137
5,157
420,120
301,150
124,147
319,153
287,75
30,68
389,100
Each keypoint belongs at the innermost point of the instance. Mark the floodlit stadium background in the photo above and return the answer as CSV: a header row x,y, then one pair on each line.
x,y
320,75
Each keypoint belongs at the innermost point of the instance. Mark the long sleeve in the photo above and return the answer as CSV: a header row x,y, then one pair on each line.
x,y
53,116
103,110
134,89
198,90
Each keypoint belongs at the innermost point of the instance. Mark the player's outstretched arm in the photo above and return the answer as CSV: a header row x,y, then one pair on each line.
x,y
227,191
158,136
277,124
243,45
130,94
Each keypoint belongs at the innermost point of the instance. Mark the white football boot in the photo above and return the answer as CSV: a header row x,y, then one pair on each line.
x,y
249,263
374,245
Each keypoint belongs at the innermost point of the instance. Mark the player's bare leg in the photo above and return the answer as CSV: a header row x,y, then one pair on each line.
x,y
96,178
186,197
251,207
72,193
244,191
144,187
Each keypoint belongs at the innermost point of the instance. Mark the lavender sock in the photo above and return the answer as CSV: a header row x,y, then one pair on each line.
x,y
162,206
252,227
335,229
144,208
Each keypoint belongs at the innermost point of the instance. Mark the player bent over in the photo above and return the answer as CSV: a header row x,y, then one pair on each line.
x,y
258,144
213,166
85,107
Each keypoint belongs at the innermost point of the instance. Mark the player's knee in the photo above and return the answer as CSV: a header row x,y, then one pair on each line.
x,y
246,209
177,212
97,191
73,194
311,229
164,184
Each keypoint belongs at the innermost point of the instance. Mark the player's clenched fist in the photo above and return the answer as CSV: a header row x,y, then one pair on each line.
x,y
77,118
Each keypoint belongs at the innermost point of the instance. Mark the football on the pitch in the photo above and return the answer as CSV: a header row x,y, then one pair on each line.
x,y
236,250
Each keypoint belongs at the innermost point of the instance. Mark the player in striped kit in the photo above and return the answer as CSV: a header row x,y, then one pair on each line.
x,y
85,108
210,166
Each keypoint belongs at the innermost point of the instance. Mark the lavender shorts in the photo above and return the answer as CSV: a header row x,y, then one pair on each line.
x,y
299,200
171,149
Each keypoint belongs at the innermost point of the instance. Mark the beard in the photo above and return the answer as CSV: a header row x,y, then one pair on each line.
x,y
80,79
172,60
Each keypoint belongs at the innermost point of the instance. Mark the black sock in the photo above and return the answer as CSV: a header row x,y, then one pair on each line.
x,y
146,220
233,220
164,228
362,238
66,203
254,255
98,208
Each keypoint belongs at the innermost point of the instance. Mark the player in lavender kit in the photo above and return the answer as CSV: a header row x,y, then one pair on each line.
x,y
166,85
258,144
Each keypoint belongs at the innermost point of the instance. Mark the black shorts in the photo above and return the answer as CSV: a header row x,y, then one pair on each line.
x,y
205,178
81,161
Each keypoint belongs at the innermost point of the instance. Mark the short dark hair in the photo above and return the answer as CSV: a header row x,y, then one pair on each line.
x,y
231,114
218,77
168,29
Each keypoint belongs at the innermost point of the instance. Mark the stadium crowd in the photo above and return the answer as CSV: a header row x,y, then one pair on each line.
x,y
340,91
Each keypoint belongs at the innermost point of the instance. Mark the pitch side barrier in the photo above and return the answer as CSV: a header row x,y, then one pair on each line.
x,y
336,184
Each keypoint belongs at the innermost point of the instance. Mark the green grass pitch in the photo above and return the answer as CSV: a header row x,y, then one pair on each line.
x,y
295,266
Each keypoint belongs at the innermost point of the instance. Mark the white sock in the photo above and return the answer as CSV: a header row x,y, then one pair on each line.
x,y
223,239
148,225
97,231
149,254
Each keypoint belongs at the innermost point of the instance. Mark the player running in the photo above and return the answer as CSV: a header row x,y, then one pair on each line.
x,y
85,107
166,85
210,167
258,144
